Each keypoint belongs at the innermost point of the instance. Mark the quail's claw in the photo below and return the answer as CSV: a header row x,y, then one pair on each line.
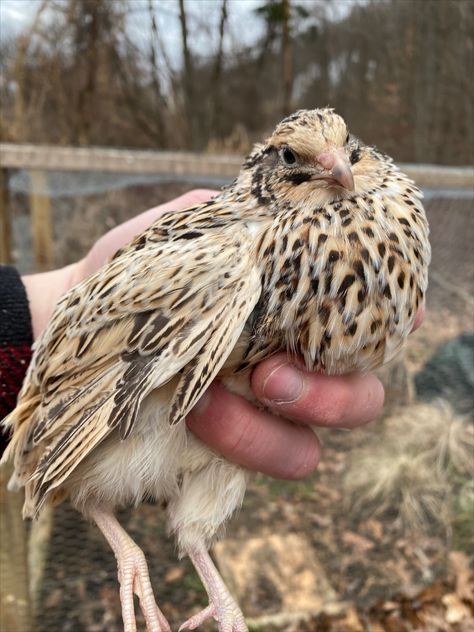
x,y
228,619
198,619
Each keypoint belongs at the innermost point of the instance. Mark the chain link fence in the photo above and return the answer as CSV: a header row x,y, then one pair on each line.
x,y
361,546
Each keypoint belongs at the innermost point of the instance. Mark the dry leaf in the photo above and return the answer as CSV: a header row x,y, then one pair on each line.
x,y
456,610
374,527
351,622
357,542
174,574
464,577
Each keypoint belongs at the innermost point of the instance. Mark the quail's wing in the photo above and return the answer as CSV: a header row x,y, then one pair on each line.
x,y
152,313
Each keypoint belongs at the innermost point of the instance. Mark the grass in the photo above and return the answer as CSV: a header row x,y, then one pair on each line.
x,y
423,454
463,518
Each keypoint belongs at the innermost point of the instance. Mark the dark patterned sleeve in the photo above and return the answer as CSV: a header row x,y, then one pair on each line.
x,y
16,338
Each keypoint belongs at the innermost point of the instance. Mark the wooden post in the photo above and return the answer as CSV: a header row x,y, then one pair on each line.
x,y
41,220
15,603
38,549
5,225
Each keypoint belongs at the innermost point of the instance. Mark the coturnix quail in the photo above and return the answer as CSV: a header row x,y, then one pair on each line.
x,y
319,247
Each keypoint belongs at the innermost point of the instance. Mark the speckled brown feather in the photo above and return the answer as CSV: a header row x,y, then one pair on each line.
x,y
278,260
153,312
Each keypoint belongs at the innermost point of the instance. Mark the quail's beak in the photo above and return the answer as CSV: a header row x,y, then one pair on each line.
x,y
337,164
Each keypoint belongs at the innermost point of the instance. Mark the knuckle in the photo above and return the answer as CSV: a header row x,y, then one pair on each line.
x,y
307,461
240,435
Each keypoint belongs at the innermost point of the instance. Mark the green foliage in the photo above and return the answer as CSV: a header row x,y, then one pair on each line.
x,y
296,490
463,518
274,11
192,584
271,11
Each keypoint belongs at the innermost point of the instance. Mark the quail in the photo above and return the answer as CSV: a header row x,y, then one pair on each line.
x,y
318,248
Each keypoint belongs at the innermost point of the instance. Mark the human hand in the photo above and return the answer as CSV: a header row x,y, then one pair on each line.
x,y
272,444
258,439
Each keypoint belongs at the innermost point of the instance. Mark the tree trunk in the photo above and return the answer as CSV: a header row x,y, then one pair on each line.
x,y
217,75
155,77
286,59
188,82
24,42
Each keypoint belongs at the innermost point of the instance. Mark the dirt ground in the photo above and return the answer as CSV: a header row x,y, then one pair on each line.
x,y
387,575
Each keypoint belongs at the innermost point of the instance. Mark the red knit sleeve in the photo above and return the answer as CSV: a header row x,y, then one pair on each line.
x,y
16,338
14,360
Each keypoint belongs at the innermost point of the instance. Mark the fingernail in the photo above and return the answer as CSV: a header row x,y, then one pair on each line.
x,y
284,384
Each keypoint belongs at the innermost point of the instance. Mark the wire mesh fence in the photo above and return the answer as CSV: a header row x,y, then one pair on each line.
x,y
365,542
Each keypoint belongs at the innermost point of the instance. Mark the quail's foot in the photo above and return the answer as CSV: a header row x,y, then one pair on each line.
x,y
133,576
222,606
134,579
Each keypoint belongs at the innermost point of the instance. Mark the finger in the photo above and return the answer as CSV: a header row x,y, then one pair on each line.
x,y
191,198
344,401
109,243
420,315
253,438
123,233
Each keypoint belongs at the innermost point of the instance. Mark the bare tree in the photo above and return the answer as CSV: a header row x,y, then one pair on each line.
x,y
23,45
400,72
217,73
286,58
188,77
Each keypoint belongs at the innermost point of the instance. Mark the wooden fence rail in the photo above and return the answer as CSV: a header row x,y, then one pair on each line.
x,y
171,163
40,159
53,158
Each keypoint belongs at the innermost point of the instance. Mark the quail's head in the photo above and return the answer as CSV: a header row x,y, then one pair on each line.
x,y
307,156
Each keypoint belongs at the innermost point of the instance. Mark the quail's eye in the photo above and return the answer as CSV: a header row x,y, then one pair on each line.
x,y
288,155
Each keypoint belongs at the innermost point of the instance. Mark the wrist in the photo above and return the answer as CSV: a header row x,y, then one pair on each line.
x,y
44,289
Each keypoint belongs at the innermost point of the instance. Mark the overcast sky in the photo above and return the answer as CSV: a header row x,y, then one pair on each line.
x,y
15,15
244,26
